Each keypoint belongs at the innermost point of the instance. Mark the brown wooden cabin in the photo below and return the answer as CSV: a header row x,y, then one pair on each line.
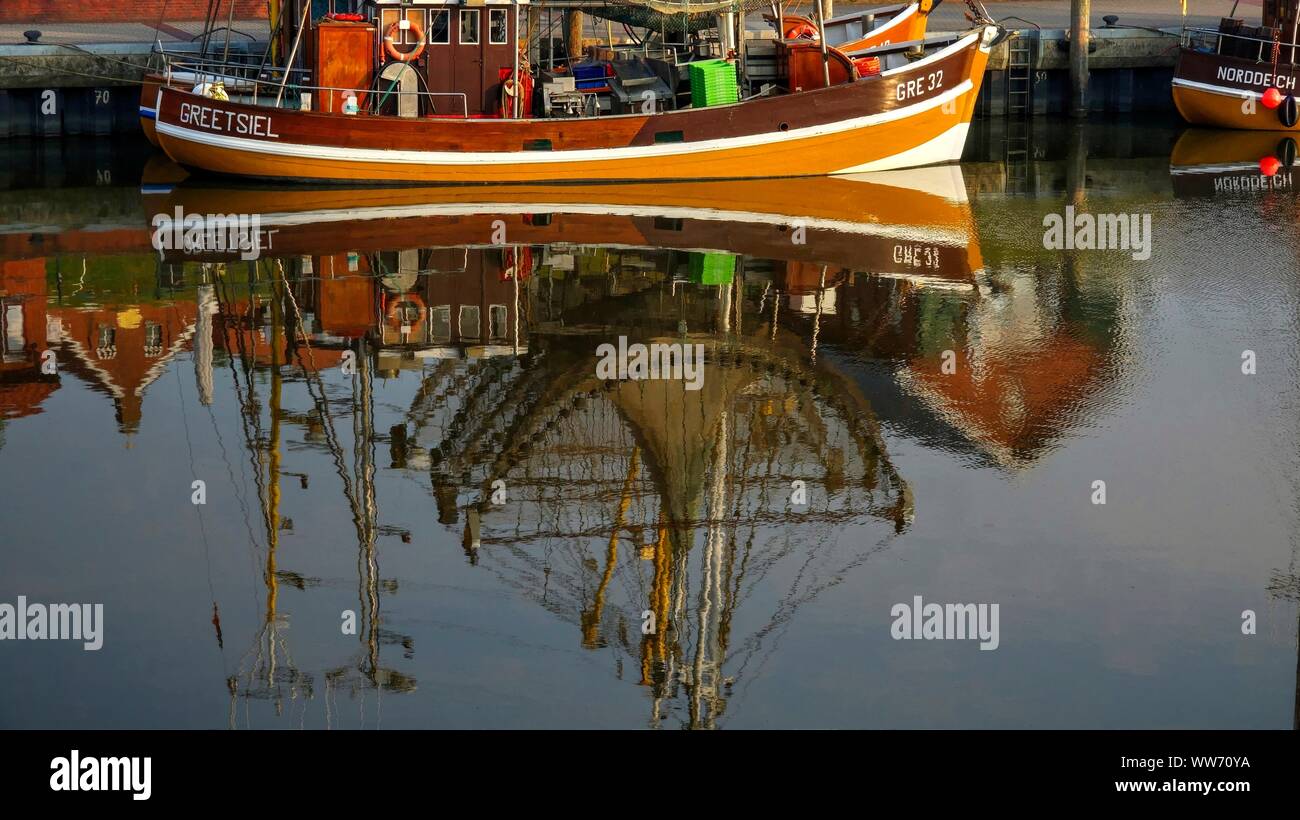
x,y
468,48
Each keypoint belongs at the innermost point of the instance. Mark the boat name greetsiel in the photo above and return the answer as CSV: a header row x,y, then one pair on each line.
x,y
255,125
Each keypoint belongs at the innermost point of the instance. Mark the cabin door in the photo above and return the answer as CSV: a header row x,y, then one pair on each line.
x,y
470,35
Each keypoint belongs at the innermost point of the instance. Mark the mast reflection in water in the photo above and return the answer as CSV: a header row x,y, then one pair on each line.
x,y
424,507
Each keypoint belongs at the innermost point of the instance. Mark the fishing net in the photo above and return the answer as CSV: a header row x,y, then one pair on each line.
x,y
677,18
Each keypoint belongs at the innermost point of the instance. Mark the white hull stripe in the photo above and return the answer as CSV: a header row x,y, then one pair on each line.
x,y
1239,93
896,21
947,147
434,158
920,233
1221,168
941,54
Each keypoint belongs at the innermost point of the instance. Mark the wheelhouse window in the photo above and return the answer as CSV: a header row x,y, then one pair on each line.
x,y
469,26
15,339
497,322
439,27
469,322
440,324
416,18
498,27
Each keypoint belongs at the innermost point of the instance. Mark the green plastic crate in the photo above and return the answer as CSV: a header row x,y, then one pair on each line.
x,y
713,82
713,268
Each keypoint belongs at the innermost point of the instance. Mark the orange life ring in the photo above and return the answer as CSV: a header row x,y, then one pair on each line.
x,y
797,29
391,48
406,298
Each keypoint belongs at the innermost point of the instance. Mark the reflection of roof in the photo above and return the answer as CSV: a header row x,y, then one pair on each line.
x,y
19,399
1010,403
125,375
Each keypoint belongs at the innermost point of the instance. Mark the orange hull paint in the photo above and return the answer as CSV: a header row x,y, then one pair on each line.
x,y
1225,111
809,157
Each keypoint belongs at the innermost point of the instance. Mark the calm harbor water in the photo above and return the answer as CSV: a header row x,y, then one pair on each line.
x,y
424,506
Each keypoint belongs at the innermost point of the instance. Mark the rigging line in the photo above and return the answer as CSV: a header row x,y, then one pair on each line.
x,y
331,435
249,436
203,529
209,20
251,421
331,442
240,496
336,456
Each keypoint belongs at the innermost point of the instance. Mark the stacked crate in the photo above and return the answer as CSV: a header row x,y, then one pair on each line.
x,y
709,268
713,82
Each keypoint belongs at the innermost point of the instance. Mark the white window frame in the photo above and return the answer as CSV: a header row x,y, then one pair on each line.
x,y
433,15
478,27
492,28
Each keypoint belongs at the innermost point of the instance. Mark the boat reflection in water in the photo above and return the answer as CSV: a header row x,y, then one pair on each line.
x,y
425,506
1214,163
447,339
653,517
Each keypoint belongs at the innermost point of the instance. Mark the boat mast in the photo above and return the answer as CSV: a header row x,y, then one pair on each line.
x,y
293,54
273,18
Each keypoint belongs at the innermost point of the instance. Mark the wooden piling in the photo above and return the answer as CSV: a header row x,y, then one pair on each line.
x,y
1079,39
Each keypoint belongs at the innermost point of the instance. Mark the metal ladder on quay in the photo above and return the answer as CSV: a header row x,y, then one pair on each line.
x,y
1019,110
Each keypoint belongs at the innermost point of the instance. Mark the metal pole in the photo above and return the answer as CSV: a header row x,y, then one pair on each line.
x,y
230,23
1079,38
1295,29
821,38
742,56
519,86
297,38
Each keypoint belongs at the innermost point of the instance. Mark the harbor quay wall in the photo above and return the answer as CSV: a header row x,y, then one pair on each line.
x,y
48,90
137,11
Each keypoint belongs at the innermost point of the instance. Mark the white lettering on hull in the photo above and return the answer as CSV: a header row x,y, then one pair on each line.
x,y
227,122
1264,79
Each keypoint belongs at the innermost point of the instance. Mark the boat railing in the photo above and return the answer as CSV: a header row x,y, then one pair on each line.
x,y
260,84
1243,46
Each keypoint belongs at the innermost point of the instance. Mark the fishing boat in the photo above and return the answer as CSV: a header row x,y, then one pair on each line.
x,y
461,117
1239,76
861,29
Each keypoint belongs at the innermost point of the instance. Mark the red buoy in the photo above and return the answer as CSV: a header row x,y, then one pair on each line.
x,y
1272,98
1268,166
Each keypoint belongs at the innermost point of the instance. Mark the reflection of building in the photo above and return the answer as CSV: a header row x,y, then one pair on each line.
x,y
23,339
1003,370
120,350
448,302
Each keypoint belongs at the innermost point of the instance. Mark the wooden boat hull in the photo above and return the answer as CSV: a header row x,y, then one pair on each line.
x,y
1218,91
148,111
917,114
